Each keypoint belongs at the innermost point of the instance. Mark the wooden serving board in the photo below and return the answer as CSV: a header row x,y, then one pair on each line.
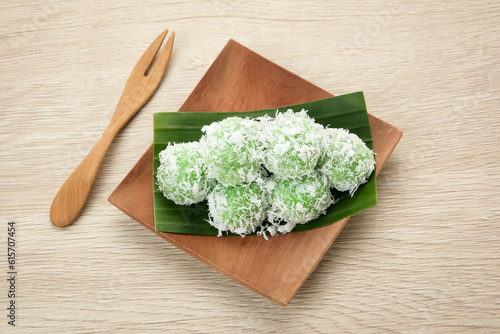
x,y
241,80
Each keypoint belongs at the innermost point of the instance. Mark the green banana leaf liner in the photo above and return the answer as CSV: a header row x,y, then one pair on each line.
x,y
345,111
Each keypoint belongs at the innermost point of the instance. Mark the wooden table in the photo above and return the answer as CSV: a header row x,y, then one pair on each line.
x,y
425,259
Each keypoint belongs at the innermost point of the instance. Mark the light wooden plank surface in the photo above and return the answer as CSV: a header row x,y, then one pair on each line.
x,y
424,260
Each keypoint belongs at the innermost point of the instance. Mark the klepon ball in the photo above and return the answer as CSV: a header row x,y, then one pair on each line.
x,y
299,200
347,162
238,209
233,150
293,144
181,175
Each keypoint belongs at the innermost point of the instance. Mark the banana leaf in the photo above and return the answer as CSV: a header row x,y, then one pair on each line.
x,y
345,111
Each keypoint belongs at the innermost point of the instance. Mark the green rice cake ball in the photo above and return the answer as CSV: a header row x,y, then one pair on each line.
x,y
238,209
233,150
347,161
293,144
299,200
181,175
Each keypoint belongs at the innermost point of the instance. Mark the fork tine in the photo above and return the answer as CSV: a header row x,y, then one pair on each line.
x,y
148,56
160,65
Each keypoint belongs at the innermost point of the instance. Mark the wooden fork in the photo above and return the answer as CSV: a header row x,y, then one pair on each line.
x,y
140,87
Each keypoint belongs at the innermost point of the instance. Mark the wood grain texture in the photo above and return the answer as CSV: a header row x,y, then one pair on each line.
x,y
241,80
424,260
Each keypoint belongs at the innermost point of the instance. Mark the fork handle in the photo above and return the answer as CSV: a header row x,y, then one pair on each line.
x,y
71,198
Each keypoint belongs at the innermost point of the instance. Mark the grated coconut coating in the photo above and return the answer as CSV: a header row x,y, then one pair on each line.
x,y
293,144
347,161
233,150
182,173
225,167
238,209
299,200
